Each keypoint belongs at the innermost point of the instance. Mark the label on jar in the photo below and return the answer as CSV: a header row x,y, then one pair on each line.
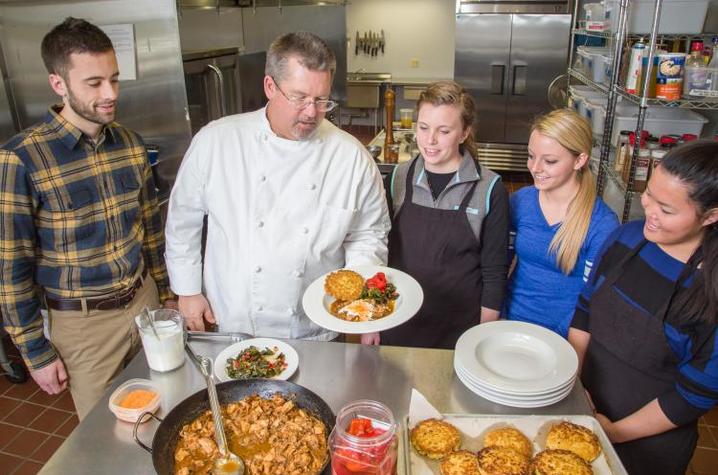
x,y
669,77
642,164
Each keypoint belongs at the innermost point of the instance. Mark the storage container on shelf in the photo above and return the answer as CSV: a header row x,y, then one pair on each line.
x,y
593,62
582,94
596,113
607,69
659,121
677,16
595,16
580,60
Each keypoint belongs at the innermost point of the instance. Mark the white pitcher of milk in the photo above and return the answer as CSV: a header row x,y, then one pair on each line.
x,y
164,346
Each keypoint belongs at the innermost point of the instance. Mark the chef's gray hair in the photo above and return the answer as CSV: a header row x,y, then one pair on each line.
x,y
311,51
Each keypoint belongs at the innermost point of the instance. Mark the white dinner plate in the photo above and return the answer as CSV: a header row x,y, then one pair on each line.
x,y
290,354
477,382
317,303
466,379
514,402
526,397
516,356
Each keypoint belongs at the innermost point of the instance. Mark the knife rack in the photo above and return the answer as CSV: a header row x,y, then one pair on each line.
x,y
369,43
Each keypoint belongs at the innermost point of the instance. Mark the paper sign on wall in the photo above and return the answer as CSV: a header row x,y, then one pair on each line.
x,y
123,40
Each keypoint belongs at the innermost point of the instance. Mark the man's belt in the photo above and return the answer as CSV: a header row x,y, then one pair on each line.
x,y
108,302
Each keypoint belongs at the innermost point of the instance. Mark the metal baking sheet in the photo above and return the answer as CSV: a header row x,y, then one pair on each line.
x,y
473,427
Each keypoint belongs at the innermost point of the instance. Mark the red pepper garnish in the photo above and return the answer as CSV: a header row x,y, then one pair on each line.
x,y
377,282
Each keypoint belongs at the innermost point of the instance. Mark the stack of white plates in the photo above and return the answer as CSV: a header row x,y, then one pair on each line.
x,y
516,364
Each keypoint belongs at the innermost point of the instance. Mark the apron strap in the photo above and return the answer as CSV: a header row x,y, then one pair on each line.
x,y
687,271
409,192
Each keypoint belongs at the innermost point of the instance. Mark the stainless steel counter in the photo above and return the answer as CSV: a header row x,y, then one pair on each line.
x,y
337,372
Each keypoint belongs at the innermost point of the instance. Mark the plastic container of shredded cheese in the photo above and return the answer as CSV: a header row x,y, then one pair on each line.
x,y
134,397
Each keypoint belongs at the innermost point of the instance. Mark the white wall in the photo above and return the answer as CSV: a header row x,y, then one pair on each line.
x,y
420,30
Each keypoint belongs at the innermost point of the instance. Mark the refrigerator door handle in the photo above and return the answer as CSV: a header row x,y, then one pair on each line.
x,y
498,72
518,88
220,88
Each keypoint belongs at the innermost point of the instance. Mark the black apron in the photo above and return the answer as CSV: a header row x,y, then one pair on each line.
x,y
439,249
628,364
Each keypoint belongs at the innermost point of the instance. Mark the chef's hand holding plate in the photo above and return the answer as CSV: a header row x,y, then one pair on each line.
x,y
370,338
195,309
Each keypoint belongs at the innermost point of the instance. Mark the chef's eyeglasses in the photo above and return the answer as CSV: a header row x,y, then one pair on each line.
x,y
322,105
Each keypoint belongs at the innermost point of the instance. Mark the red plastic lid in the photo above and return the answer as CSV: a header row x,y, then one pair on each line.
x,y
644,135
689,137
668,140
697,45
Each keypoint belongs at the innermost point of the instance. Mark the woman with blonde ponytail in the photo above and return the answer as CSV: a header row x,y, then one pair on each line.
x,y
558,225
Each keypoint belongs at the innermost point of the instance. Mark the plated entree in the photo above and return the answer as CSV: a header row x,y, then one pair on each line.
x,y
359,300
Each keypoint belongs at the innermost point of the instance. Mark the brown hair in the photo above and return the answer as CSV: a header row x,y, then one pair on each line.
x,y
573,133
74,35
311,51
453,94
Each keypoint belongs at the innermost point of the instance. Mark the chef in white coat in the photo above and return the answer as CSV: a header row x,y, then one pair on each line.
x,y
288,197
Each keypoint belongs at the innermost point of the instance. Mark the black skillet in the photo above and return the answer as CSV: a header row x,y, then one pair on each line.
x,y
167,434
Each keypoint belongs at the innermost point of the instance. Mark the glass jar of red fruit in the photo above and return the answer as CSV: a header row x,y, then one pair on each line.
x,y
364,440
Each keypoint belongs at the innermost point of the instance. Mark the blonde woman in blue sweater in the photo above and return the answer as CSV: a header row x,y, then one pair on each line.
x,y
557,225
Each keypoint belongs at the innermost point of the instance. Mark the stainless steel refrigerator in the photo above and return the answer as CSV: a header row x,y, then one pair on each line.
x,y
154,104
222,82
506,55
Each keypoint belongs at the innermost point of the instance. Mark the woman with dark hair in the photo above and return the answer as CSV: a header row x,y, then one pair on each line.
x,y
646,322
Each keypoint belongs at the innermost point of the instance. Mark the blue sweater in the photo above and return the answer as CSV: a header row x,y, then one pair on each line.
x,y
645,283
539,292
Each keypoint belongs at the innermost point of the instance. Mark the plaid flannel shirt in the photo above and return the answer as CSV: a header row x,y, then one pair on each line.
x,y
77,219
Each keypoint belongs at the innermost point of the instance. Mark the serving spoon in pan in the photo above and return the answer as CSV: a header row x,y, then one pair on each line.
x,y
226,463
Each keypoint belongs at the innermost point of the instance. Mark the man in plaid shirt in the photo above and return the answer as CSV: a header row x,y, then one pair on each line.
x,y
80,229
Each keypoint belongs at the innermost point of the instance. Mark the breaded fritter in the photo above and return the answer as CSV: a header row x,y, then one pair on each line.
x,y
509,437
344,285
435,438
502,461
576,438
559,462
461,462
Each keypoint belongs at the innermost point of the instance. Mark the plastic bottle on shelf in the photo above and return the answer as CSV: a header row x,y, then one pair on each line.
x,y
651,74
633,78
696,74
713,70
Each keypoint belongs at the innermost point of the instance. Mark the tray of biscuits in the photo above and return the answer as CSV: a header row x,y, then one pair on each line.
x,y
509,445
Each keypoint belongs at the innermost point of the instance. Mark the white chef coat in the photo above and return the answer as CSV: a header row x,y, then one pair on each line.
x,y
281,213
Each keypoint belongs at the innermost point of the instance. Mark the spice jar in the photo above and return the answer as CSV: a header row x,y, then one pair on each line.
x,y
623,150
643,163
364,440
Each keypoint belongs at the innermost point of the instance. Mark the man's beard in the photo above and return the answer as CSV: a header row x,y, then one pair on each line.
x,y
301,133
88,113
